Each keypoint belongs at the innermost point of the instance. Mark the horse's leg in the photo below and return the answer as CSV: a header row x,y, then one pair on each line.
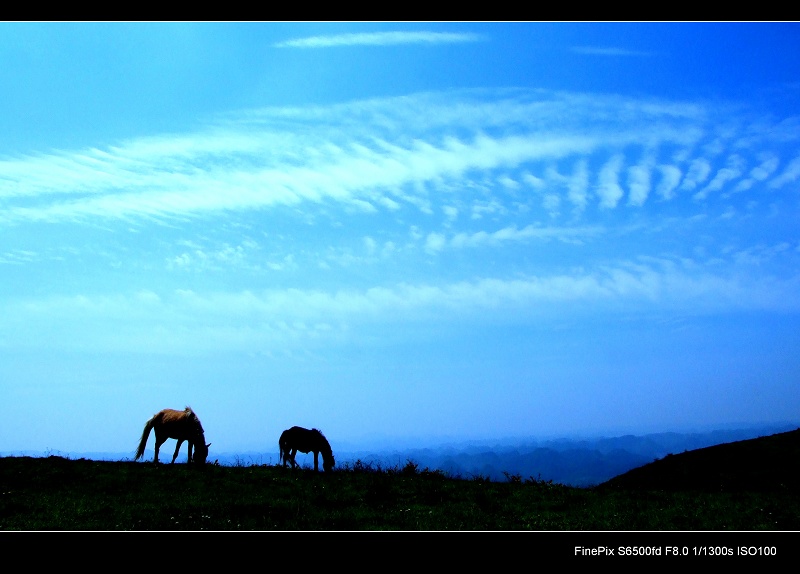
x,y
291,457
316,463
190,452
177,448
159,442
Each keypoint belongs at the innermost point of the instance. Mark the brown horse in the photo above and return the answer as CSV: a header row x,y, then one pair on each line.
x,y
180,425
304,440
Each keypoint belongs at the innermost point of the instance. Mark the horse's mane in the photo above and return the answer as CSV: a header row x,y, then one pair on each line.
x,y
326,451
191,414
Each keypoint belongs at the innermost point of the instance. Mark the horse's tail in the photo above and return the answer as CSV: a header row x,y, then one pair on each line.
x,y
143,441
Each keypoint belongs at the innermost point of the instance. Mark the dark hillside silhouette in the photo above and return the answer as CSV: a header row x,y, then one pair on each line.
x,y
766,464
582,462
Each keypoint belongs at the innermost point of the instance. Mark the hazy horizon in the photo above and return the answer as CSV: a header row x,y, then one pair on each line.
x,y
381,446
396,229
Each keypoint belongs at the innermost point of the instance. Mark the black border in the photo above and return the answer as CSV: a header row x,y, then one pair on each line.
x,y
517,549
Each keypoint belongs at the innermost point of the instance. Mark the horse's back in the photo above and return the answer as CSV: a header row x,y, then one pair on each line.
x,y
294,432
169,415
173,415
303,439
179,424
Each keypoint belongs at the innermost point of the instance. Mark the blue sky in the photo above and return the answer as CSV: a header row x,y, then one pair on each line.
x,y
396,229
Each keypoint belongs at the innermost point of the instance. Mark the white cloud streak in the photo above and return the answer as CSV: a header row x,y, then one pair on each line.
x,y
639,183
189,322
381,155
609,190
380,39
608,51
578,186
699,171
512,234
670,178
723,176
789,175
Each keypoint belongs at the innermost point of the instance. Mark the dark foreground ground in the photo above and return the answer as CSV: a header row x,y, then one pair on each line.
x,y
748,485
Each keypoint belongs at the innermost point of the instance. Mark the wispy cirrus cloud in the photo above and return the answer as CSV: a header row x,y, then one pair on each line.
x,y
670,178
608,51
198,259
726,174
17,257
578,186
609,189
513,234
380,39
187,321
639,182
384,155
698,173
790,174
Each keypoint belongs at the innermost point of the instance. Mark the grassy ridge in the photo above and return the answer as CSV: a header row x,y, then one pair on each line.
x,y
56,493
768,464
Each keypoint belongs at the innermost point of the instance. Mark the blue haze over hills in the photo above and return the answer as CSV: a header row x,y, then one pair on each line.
x,y
581,462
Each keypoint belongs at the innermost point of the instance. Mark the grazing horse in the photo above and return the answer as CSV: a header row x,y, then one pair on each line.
x,y
180,425
304,440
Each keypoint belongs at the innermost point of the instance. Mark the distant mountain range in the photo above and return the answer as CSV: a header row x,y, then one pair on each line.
x,y
573,462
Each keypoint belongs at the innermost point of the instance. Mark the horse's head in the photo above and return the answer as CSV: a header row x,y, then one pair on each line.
x,y
328,462
200,452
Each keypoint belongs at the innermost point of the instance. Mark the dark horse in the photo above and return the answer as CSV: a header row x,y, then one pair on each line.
x,y
304,440
181,425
